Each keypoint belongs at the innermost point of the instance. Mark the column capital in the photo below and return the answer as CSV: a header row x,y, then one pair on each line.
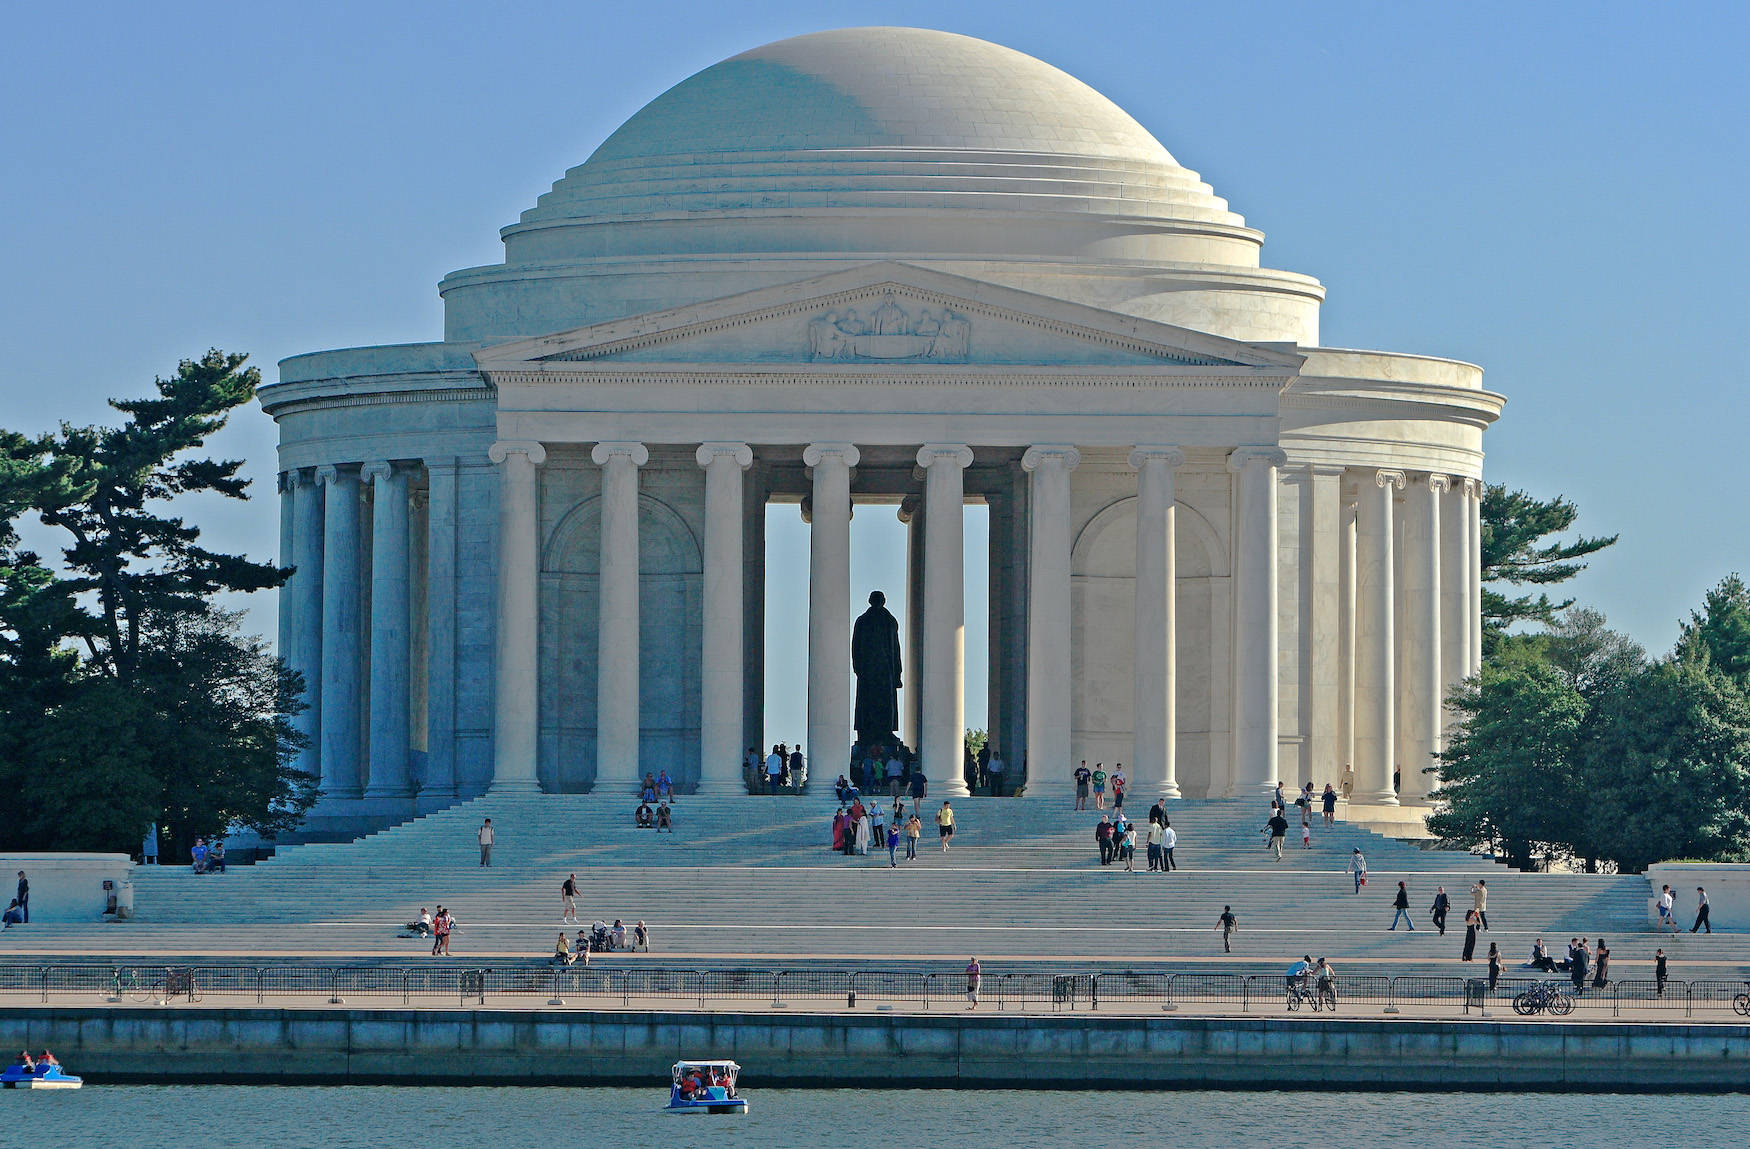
x,y
637,453
709,453
1439,483
289,481
1141,456
1055,454
909,507
330,473
378,469
1389,479
504,448
932,453
1470,488
816,453
1241,457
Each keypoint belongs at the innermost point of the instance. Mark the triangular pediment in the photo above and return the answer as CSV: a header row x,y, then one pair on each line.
x,y
888,313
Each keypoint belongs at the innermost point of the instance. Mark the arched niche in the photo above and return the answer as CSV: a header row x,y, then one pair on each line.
x,y
1103,643
670,590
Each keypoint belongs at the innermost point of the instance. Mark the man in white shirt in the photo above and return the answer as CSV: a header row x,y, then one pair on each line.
x,y
485,836
1169,839
994,769
1667,914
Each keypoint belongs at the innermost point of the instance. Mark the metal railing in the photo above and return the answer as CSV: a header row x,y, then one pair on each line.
x,y
1113,991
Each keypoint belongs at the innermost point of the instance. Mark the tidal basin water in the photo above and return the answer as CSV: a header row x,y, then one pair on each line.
x,y
292,1117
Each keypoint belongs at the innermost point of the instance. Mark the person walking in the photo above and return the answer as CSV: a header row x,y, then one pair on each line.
x,y
1099,786
974,975
568,899
1402,905
1479,901
1601,966
1103,839
1169,839
1084,777
1494,967
914,828
893,846
1154,847
485,835
1438,910
1278,829
1667,909
1660,970
919,785
1227,924
1329,801
1358,867
1127,848
945,825
1701,920
1470,935
1118,784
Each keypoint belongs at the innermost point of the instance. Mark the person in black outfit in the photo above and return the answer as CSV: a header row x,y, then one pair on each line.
x,y
1582,959
1494,966
24,897
1660,970
1442,903
1103,837
1470,936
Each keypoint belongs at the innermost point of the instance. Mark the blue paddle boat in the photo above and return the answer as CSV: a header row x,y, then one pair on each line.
x,y
37,1076
705,1087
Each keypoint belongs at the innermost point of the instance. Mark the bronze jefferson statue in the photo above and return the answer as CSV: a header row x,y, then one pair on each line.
x,y
875,659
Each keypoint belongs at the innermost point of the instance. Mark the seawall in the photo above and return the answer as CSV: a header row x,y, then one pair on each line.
x,y
895,1050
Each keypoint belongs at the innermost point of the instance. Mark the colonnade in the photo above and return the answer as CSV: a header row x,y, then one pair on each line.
x,y
1409,617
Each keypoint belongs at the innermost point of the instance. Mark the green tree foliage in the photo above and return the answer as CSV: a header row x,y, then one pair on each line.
x,y
1507,776
126,697
1518,550
1719,633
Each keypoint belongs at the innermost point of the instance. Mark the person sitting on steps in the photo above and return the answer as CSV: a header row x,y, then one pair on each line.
x,y
664,819
644,817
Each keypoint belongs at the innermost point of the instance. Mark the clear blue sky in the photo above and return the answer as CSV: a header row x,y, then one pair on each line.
x,y
1554,192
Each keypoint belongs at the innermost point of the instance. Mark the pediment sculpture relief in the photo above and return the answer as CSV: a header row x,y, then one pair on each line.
x,y
890,333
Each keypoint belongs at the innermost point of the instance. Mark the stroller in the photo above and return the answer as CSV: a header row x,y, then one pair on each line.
x,y
601,939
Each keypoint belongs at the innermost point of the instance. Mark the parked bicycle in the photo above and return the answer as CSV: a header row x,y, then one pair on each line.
x,y
1741,1004
1548,995
176,983
127,983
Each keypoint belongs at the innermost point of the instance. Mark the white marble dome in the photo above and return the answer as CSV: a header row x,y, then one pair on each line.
x,y
828,150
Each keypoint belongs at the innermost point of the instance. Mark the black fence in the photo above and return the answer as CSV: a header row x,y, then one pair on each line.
x,y
1124,991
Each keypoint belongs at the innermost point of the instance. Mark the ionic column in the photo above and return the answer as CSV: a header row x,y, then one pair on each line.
x,y
943,735
1155,730
288,545
440,629
911,513
1048,617
303,596
1256,626
1454,587
1375,688
1346,635
387,763
342,638
1473,493
617,664
829,607
515,702
1420,740
720,688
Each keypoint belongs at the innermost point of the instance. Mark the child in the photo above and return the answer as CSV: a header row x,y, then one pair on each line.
x,y
1305,836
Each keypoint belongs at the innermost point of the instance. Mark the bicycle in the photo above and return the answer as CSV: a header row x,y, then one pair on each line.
x,y
175,982
1544,996
1326,993
126,982
1741,1004
1298,993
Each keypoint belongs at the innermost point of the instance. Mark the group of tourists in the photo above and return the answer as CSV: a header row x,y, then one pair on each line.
x,y
1668,910
1095,782
658,818
438,927
860,826
894,769
207,859
658,787
600,938
1115,837
782,769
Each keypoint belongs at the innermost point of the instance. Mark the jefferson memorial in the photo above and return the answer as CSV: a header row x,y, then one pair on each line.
x,y
877,269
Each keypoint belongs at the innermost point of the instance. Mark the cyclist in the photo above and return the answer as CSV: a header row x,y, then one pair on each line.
x,y
1325,980
1296,979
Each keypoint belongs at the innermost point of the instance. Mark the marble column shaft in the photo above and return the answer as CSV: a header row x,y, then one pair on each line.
x,y
1048,618
440,629
303,595
1420,736
287,558
1474,572
1346,559
1154,682
943,736
911,513
1375,616
1454,586
516,692
1256,626
617,766
829,608
391,611
342,635
720,688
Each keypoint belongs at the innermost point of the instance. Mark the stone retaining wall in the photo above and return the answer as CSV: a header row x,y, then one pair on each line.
x,y
484,1046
